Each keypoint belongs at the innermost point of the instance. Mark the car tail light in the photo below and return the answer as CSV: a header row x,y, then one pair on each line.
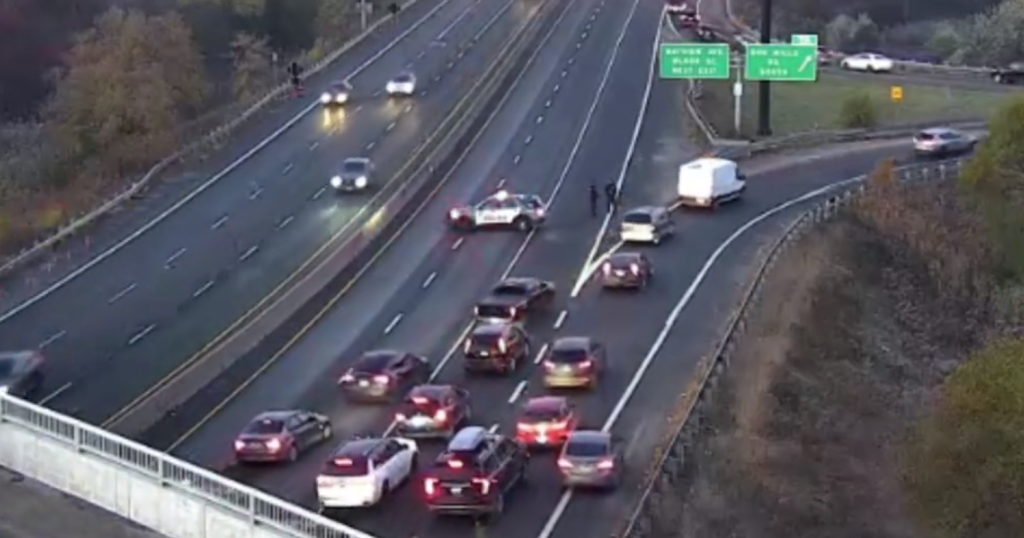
x,y
381,379
606,465
455,464
430,486
540,211
558,425
239,445
441,415
564,463
400,417
420,400
550,365
524,427
343,462
586,364
484,483
348,377
502,346
635,269
274,444
607,268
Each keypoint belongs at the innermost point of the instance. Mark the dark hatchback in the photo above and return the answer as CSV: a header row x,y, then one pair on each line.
x,y
433,411
381,375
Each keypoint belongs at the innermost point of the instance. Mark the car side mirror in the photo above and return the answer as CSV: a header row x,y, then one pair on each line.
x,y
741,175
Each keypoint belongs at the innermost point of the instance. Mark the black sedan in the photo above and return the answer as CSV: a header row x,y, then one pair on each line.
x,y
513,298
381,375
20,373
630,270
280,436
433,411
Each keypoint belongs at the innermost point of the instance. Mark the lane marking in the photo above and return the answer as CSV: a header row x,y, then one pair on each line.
x,y
458,243
256,193
517,393
493,428
394,323
517,158
49,397
169,263
121,294
561,319
218,224
429,280
540,119
529,140
141,334
572,60
248,253
370,146
51,339
313,146
541,354
203,289
287,220
319,193
547,104
99,258
391,127
287,169
501,184
557,88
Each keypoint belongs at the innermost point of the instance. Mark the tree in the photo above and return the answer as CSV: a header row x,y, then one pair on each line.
x,y
336,22
245,8
858,112
994,38
129,84
253,72
965,464
848,33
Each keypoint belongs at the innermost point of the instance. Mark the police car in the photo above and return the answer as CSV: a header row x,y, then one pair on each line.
x,y
503,209
361,472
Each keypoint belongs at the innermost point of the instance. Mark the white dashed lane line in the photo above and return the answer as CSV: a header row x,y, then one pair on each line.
x,y
287,169
202,289
520,388
394,323
249,253
169,264
50,340
319,193
429,280
287,220
540,354
561,319
313,146
219,223
141,334
256,193
121,294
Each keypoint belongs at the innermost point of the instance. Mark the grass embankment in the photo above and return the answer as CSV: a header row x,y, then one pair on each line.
x,y
810,106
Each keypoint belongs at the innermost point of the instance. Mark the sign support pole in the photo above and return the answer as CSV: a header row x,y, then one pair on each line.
x,y
737,95
764,116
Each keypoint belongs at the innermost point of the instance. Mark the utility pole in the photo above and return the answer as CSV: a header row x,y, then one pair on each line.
x,y
362,15
764,112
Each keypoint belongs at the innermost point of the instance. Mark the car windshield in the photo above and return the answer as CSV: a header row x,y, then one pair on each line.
x,y
590,448
354,167
340,87
541,413
7,367
622,262
266,426
485,340
568,356
372,364
638,218
925,136
404,77
509,289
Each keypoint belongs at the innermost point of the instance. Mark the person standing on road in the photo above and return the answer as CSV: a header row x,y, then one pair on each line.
x,y
612,193
593,200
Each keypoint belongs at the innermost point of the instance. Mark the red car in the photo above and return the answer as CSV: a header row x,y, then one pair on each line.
x,y
280,436
546,421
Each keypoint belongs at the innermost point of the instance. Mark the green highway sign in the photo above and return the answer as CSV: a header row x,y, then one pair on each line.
x,y
786,63
810,40
694,60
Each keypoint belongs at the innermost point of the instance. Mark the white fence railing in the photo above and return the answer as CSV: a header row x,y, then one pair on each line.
x,y
665,476
153,489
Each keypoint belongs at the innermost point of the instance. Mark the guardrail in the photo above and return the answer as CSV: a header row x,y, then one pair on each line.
x,y
664,476
212,138
108,470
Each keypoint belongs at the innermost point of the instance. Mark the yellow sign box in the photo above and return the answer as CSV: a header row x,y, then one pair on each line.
x,y
896,93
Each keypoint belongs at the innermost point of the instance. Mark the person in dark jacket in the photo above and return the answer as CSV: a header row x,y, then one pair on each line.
x,y
612,193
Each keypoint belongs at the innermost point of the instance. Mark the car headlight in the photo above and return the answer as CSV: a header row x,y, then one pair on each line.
x,y
391,87
336,181
342,98
325,98
454,214
361,181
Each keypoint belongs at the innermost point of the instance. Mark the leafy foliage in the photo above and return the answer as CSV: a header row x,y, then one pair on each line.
x,y
130,83
246,8
858,112
965,463
253,71
336,22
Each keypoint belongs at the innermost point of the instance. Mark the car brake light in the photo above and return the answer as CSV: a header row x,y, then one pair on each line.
x,y
512,312
343,462
502,346
550,365
564,463
635,269
441,415
455,464
381,379
558,425
400,417
484,483
239,445
420,400
585,364
605,465
607,268
430,486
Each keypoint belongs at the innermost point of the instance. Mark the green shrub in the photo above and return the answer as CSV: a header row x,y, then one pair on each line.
x,y
964,466
858,112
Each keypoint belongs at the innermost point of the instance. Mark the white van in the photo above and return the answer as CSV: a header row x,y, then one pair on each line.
x,y
708,182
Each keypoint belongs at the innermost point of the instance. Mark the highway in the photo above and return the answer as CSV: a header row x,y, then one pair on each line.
x,y
131,319
552,138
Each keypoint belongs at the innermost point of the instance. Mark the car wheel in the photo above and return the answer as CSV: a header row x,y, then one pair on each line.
x,y
293,453
328,432
523,224
657,239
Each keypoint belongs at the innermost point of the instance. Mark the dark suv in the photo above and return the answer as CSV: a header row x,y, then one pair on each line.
x,y
496,347
475,473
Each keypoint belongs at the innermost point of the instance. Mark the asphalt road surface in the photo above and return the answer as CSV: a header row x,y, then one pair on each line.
x,y
132,318
571,122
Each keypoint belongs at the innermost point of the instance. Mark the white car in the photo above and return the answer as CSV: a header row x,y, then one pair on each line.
x,y
361,472
870,62
522,212
404,85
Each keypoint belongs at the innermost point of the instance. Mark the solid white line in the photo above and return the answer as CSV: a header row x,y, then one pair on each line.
x,y
394,323
141,334
174,257
541,354
561,319
517,393
203,289
49,397
215,226
563,502
447,29
52,339
120,295
587,269
99,258
287,220
248,253
429,280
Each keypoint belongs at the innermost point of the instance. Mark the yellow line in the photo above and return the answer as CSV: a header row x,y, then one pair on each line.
x,y
288,285
334,300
